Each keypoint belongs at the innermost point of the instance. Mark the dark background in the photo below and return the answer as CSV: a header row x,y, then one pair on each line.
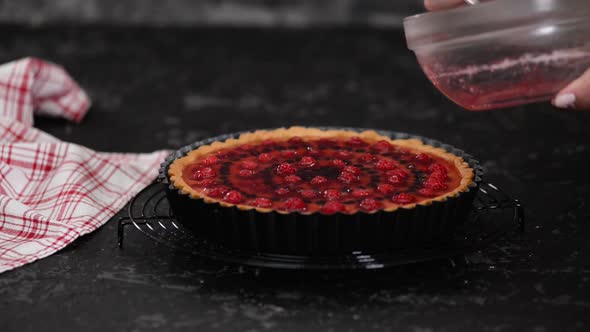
x,y
164,87
293,13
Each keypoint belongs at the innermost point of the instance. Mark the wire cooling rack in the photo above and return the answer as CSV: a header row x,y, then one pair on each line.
x,y
494,214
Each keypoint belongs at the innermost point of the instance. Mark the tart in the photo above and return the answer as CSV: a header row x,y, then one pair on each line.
x,y
239,190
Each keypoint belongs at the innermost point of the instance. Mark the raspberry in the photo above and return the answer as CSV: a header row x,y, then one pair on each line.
x,y
265,157
395,180
331,194
262,202
208,182
423,158
246,173
293,204
399,173
385,188
437,168
385,164
344,154
268,143
309,194
382,146
356,141
318,180
307,162
233,197
370,204
248,164
352,169
333,207
203,173
367,158
288,153
403,198
211,160
348,178
426,192
338,163
435,184
292,179
360,193
208,172
282,191
217,191
295,141
439,176
286,169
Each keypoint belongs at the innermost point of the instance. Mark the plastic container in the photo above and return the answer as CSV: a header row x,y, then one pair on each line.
x,y
502,53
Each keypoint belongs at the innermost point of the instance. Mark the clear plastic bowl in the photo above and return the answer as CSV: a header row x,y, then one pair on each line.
x,y
502,53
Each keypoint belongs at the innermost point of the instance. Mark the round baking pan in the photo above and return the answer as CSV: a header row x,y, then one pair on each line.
x,y
319,234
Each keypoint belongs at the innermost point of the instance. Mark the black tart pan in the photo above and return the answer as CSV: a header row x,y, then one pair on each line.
x,y
319,234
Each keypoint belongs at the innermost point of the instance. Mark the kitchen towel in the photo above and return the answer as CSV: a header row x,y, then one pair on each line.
x,y
51,191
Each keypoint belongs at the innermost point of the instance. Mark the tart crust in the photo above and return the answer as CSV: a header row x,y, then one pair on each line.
x,y
176,168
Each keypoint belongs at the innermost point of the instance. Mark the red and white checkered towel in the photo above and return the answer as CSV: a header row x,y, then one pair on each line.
x,y
51,192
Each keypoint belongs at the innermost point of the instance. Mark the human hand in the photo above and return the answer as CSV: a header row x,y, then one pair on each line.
x,y
575,96
442,4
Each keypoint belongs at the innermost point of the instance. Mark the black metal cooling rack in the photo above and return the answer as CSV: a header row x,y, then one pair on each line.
x,y
494,215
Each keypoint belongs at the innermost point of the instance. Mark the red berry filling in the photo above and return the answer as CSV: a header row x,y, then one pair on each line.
x,y
385,188
322,175
403,198
233,197
289,153
286,169
262,202
338,163
395,180
246,173
282,191
382,146
367,157
294,204
360,193
385,164
217,191
333,207
307,162
423,158
211,160
265,157
356,141
318,180
309,193
370,204
426,192
292,179
332,194
203,173
248,164
348,178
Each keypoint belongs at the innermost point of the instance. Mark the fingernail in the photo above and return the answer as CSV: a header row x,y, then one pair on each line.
x,y
566,100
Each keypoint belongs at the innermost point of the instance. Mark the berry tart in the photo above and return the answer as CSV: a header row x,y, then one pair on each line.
x,y
319,191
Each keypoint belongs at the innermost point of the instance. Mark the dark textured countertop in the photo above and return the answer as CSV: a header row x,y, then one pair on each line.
x,y
163,88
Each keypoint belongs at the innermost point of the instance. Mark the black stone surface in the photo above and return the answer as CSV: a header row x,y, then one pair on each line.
x,y
162,88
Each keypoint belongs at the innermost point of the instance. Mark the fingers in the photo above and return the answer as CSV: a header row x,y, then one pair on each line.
x,y
442,4
576,95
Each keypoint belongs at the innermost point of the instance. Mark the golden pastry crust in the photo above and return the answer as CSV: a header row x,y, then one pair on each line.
x,y
176,168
